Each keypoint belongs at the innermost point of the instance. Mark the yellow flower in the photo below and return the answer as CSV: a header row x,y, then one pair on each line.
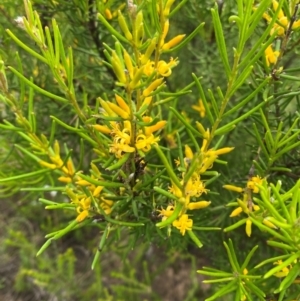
x,y
175,190
155,84
268,223
194,186
165,69
108,14
271,56
144,142
83,207
282,22
119,149
122,139
284,272
236,212
248,227
252,184
65,179
165,213
149,68
200,108
233,188
101,128
198,205
159,125
188,152
183,223
173,42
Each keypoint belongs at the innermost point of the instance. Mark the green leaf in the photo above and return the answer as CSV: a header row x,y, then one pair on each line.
x,y
37,88
220,40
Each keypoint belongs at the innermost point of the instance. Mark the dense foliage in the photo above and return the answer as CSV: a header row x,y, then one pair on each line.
x,y
151,124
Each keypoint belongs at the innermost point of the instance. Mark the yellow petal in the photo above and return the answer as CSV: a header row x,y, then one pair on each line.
x,y
119,111
248,227
175,41
102,128
65,179
188,152
236,212
48,165
82,216
198,205
122,104
233,188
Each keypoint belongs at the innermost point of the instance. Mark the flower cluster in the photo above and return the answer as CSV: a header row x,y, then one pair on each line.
x,y
246,204
108,12
86,197
283,22
192,187
125,138
128,121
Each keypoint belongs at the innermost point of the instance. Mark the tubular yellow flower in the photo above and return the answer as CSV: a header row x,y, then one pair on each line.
x,y
168,7
106,107
136,78
166,29
268,223
128,63
152,87
82,216
101,128
83,183
188,152
149,51
70,167
97,191
108,14
223,151
271,56
256,207
173,42
48,165
147,101
119,111
65,179
200,128
236,212
106,206
243,204
159,125
207,163
248,227
200,108
117,67
121,102
124,27
233,188
296,24
198,205
183,223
